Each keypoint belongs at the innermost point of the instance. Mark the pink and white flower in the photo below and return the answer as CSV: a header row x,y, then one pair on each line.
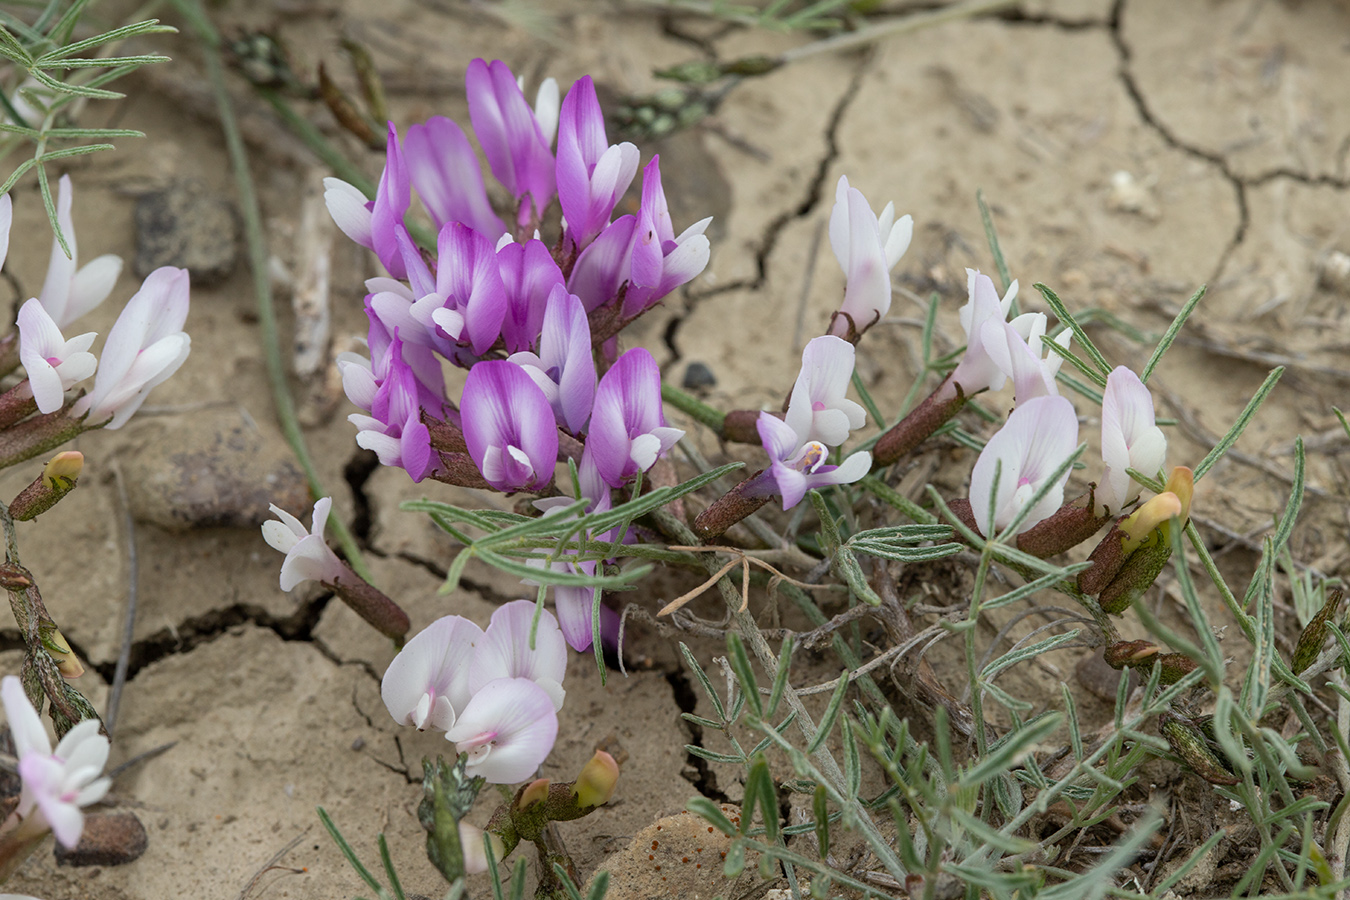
x,y
53,363
505,651
70,290
308,556
145,346
867,247
507,729
56,783
818,409
978,370
1039,436
797,466
1130,440
427,683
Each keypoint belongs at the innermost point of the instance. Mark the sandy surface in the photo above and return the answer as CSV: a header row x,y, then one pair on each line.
x,y
1227,119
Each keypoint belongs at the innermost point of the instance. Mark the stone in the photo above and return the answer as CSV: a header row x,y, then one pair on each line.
x,y
186,225
112,838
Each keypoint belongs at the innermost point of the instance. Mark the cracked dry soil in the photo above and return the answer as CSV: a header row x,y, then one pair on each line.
x,y
1227,118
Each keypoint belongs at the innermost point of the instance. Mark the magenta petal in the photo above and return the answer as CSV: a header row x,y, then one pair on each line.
x,y
627,405
602,268
504,410
445,173
529,274
469,275
392,199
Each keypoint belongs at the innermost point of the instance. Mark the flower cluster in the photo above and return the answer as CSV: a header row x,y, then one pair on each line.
x,y
146,345
494,695
526,319
56,783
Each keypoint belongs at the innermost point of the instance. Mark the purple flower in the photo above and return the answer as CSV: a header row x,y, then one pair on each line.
x,y
818,409
628,430
564,368
1035,441
1130,440
508,427
361,378
55,784
507,729
592,175
53,363
661,261
145,346
445,173
512,135
308,556
394,430
427,683
603,267
468,303
70,291
798,466
529,275
867,248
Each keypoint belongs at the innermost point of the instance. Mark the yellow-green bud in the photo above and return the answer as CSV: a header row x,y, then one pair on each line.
x,y
595,784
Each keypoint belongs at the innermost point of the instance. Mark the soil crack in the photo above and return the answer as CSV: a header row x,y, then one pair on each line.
x,y
696,770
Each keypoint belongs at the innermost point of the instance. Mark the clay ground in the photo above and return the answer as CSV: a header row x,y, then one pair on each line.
x,y
1228,121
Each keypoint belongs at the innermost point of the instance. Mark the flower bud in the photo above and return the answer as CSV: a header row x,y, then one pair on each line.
x,y
1312,639
1176,666
595,784
1140,525
1137,575
534,792
471,845
1134,654
58,478
59,648
1188,742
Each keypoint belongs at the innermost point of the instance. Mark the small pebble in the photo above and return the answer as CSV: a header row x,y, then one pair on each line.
x,y
697,375
108,839
185,225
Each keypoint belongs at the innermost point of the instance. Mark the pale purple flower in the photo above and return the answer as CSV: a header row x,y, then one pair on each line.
x,y
445,174
1039,436
977,370
507,729
818,409
564,367
628,430
394,430
529,275
70,291
603,267
661,262
508,426
427,683
468,302
867,247
56,783
308,556
145,346
1130,440
592,175
505,651
1016,347
53,363
512,135
798,466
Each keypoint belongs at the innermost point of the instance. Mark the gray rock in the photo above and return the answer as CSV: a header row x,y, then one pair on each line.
x,y
186,225
211,469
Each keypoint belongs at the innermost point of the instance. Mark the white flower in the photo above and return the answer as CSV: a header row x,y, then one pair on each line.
x,y
56,784
1036,440
350,209
508,730
427,683
69,293
867,248
818,409
146,345
1016,347
308,556
53,363
1130,440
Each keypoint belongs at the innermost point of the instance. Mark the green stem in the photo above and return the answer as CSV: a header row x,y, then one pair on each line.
x,y
257,253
